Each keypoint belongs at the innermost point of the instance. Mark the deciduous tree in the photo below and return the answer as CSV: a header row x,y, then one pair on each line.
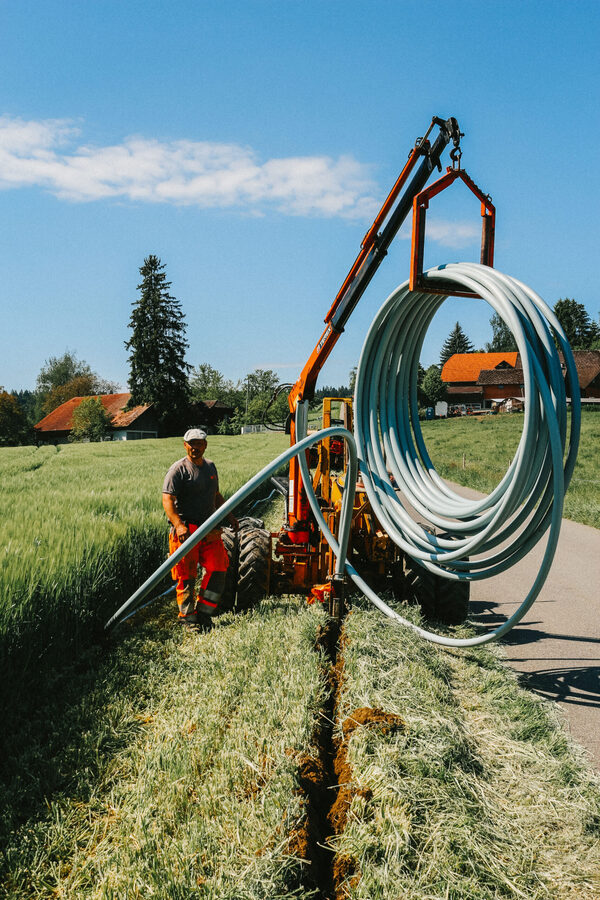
x,y
13,423
91,422
207,383
432,386
503,340
64,377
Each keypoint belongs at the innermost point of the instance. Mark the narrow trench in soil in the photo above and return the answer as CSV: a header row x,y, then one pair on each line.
x,y
318,778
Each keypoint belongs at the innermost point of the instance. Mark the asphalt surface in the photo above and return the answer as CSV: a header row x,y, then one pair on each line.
x,y
556,647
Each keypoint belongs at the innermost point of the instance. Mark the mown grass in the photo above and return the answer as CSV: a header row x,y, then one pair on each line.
x,y
480,795
164,764
476,452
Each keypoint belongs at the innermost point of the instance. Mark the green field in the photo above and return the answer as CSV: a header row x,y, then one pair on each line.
x,y
271,758
476,451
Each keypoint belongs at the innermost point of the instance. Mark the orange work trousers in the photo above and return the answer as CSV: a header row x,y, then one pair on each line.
x,y
209,554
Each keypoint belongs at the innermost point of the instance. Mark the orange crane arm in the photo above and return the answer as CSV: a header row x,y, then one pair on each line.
x,y
374,247
423,159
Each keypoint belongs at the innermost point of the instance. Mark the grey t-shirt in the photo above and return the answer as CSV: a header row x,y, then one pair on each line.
x,y
194,488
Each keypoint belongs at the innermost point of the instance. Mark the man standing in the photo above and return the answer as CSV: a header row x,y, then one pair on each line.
x,y
190,496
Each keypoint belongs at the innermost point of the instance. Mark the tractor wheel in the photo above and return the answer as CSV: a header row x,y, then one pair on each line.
x,y
253,566
440,599
230,541
250,522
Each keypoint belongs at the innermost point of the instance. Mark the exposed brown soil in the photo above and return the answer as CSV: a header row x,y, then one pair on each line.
x,y
326,778
372,717
345,875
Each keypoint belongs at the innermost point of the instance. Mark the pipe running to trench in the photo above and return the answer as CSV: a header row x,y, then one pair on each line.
x,y
463,540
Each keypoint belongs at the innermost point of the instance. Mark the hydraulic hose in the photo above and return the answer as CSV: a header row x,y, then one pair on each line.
x,y
455,538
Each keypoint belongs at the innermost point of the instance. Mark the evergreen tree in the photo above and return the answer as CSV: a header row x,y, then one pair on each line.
x,y
456,342
158,370
581,331
503,340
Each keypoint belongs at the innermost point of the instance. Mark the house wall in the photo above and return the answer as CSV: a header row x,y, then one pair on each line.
x,y
133,434
501,391
593,389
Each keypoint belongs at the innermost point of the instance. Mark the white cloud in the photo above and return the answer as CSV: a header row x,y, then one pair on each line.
x,y
199,173
453,234
195,173
456,235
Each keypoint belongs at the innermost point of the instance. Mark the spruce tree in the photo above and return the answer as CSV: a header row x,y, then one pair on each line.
x,y
456,342
158,370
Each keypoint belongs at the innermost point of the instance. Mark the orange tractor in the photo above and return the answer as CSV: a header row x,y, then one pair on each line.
x,y
297,558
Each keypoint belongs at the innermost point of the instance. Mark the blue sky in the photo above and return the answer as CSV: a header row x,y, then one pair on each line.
x,y
248,145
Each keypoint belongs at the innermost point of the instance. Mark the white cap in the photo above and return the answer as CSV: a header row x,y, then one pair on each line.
x,y
194,434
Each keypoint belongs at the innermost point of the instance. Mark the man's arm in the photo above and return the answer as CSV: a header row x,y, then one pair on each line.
x,y
170,508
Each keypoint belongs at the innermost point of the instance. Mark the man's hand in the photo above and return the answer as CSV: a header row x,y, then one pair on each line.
x,y
182,532
233,522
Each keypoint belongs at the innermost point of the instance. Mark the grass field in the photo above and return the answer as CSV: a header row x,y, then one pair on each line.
x,y
272,758
81,526
476,452
163,764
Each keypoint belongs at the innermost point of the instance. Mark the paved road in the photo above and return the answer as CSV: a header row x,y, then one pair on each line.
x,y
556,647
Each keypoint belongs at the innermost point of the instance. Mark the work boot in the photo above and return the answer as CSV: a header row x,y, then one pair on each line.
x,y
205,622
190,622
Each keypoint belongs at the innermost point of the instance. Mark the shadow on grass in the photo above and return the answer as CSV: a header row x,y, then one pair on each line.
x,y
59,729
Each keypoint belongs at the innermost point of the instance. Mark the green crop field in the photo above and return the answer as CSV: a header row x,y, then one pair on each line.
x,y
273,757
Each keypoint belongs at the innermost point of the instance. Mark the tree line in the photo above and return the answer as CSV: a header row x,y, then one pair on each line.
x,y
161,375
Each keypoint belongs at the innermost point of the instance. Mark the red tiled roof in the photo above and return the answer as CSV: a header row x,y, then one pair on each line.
x,y
501,376
588,366
215,404
467,366
61,418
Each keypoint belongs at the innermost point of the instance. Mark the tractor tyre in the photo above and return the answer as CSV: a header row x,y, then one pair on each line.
x,y
253,566
440,599
250,522
230,542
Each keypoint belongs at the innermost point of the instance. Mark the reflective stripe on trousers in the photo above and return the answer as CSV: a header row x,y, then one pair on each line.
x,y
211,555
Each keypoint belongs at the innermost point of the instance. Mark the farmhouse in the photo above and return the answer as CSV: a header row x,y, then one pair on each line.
x,y
588,370
127,424
462,376
481,379
210,413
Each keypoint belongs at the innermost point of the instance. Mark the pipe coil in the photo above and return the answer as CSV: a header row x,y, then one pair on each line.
x,y
465,539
